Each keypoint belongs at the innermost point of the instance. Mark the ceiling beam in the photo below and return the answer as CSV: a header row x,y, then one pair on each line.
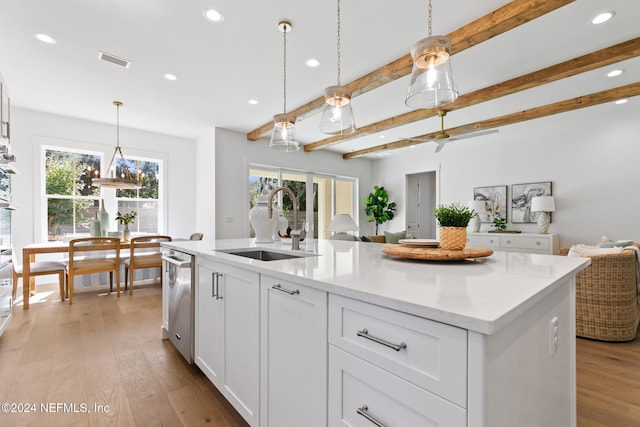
x,y
499,21
521,116
601,58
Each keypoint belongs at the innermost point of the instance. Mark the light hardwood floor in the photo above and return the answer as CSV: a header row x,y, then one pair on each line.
x,y
106,352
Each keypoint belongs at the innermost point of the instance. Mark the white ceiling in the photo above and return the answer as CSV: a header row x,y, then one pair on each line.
x,y
220,67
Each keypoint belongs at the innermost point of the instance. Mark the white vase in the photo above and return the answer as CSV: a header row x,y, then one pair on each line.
x,y
260,221
103,216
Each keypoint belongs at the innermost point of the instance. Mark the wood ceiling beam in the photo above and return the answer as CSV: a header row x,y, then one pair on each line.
x,y
499,21
601,58
520,116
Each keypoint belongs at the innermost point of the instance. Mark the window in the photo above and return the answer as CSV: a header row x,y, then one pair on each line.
x,y
319,196
71,199
144,201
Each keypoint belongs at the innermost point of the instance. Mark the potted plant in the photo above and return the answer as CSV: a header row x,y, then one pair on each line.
x,y
377,206
500,224
453,220
125,220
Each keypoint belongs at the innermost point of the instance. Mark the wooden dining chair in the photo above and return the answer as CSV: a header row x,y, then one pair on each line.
x,y
38,268
144,252
93,255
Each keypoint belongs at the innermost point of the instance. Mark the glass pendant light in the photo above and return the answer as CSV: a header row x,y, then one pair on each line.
x,y
123,180
283,137
337,114
432,83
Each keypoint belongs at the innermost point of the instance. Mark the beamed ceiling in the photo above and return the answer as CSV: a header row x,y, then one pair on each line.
x,y
514,61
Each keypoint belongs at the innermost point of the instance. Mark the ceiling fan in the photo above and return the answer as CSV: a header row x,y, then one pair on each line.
x,y
442,137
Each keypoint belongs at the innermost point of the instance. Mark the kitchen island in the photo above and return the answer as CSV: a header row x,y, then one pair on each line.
x,y
346,335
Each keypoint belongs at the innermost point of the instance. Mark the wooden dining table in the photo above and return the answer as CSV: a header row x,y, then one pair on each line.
x,y
29,254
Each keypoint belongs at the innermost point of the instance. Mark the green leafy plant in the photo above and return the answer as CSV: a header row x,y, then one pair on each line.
x,y
500,223
453,215
378,208
127,218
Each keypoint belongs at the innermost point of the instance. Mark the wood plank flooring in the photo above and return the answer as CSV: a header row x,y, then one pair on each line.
x,y
104,358
106,353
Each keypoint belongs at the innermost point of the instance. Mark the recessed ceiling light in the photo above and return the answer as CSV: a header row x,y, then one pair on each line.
x,y
603,17
44,38
170,76
312,63
213,15
253,101
381,136
621,101
614,73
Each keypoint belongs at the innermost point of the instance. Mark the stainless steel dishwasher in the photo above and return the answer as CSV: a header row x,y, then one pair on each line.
x,y
179,276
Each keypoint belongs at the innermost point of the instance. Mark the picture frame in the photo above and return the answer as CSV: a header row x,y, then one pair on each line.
x,y
521,195
495,199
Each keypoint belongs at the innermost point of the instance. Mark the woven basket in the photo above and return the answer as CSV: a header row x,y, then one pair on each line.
x,y
453,238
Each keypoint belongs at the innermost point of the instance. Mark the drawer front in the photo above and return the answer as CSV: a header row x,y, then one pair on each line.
x,y
429,354
507,243
490,242
363,395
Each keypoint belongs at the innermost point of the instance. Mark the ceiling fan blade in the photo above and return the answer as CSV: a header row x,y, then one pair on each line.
x,y
441,143
474,134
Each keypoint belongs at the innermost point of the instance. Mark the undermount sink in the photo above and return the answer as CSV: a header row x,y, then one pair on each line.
x,y
263,254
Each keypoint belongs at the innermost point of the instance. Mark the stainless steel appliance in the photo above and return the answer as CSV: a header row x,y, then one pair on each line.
x,y
179,277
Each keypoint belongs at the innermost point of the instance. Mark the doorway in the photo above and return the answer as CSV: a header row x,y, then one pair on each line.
x,y
421,200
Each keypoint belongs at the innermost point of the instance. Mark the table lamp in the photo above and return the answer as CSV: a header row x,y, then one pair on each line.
x,y
543,205
478,206
340,224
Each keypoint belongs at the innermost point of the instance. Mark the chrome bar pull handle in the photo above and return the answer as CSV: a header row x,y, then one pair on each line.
x,y
365,334
218,275
279,287
213,285
364,412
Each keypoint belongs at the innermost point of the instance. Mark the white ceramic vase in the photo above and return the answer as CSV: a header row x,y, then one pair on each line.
x,y
259,217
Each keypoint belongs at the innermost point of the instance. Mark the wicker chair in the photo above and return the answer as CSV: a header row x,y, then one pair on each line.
x,y
607,302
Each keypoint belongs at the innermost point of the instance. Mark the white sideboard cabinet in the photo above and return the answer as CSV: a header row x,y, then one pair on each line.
x,y
516,242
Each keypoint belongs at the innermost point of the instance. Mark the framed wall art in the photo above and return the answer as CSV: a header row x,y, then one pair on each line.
x,y
495,199
521,195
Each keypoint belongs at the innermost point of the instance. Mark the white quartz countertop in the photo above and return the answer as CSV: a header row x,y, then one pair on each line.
x,y
481,295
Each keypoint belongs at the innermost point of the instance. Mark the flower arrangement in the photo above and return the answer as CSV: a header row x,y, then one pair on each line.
x,y
127,218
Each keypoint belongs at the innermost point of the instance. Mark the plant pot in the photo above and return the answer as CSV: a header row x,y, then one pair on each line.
x,y
453,238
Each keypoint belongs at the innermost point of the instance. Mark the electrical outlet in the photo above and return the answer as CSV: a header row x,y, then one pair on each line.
x,y
553,336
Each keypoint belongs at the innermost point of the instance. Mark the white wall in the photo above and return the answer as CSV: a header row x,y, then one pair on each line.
x,y
590,155
29,128
233,154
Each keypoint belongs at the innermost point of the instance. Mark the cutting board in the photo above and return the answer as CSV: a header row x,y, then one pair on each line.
x,y
435,254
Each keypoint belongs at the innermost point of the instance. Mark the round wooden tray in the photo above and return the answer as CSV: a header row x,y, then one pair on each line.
x,y
435,254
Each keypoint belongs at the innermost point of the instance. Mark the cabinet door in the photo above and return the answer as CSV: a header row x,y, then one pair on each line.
x,y
209,324
240,291
6,304
294,354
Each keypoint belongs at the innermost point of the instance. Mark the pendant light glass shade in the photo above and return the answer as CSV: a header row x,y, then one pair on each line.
x,y
337,114
432,83
283,137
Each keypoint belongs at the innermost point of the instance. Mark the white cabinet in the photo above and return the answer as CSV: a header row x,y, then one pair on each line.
x,y
6,302
293,354
516,242
406,370
227,328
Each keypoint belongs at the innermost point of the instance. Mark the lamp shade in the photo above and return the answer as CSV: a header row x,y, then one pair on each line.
x,y
479,206
341,223
337,114
283,137
543,204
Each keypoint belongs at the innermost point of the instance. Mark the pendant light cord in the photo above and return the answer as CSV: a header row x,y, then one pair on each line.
x,y
117,123
284,61
429,21
338,43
